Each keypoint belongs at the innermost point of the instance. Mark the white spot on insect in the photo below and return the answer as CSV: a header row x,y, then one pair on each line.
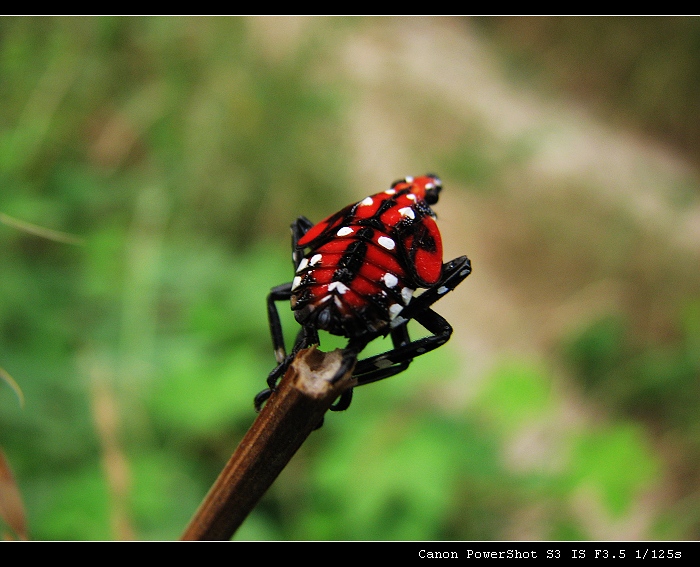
x,y
443,290
296,282
390,192
411,197
407,212
430,186
382,363
315,259
395,309
366,202
280,355
398,321
407,295
326,298
463,272
340,286
344,231
386,242
338,302
390,280
409,179
302,265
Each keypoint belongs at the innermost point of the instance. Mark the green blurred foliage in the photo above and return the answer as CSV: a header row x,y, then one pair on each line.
x,y
174,150
655,383
178,150
658,381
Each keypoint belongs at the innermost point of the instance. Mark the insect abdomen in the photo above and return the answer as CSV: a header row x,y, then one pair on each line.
x,y
351,284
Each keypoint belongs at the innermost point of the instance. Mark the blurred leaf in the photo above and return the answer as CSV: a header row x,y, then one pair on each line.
x,y
599,349
516,393
615,463
202,397
165,495
71,505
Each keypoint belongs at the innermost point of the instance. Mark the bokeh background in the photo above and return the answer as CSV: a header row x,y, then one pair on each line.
x,y
149,171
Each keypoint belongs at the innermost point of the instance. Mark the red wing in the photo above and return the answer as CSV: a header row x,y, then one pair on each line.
x,y
324,229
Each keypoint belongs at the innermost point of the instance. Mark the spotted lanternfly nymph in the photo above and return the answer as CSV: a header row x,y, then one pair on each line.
x,y
356,275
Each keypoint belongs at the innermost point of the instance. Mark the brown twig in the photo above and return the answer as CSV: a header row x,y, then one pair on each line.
x,y
293,411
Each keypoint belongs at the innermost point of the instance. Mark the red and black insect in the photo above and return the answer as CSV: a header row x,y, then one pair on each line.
x,y
356,275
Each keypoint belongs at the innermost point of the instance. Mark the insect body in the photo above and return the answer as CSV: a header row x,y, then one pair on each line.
x,y
356,274
366,261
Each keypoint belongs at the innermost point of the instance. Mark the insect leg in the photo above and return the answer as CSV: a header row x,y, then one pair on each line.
x,y
399,337
349,359
306,337
453,273
299,228
280,293
366,370
283,292
343,402
394,361
397,360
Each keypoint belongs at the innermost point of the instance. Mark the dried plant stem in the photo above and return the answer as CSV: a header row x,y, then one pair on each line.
x,y
295,409
41,231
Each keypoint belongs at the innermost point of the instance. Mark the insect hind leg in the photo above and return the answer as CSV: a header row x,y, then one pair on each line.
x,y
379,367
454,273
397,360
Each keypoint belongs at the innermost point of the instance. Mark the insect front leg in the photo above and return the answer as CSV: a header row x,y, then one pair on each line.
x,y
299,228
280,293
283,292
307,336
